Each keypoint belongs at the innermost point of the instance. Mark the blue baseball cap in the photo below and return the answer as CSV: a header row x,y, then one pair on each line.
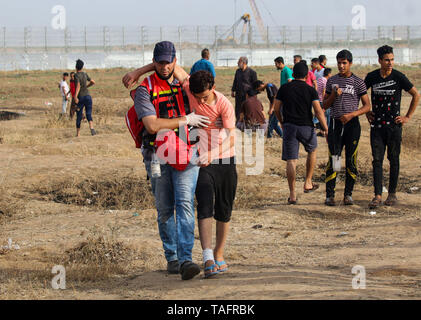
x,y
164,51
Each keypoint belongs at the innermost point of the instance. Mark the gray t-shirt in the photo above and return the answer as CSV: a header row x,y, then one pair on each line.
x,y
145,108
83,79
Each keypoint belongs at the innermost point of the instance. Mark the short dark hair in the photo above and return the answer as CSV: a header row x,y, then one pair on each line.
x,y
205,53
300,70
201,81
322,58
304,61
256,84
298,56
65,74
280,60
72,73
382,51
79,64
326,72
344,55
251,92
315,60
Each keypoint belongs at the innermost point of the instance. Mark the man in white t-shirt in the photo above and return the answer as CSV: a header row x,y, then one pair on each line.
x,y
65,91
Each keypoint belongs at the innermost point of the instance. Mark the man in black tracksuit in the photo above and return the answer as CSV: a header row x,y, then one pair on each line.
x,y
243,82
386,121
343,94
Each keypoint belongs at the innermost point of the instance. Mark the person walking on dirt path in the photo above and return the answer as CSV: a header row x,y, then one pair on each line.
x,y
293,107
252,113
162,105
271,91
65,91
204,64
386,121
83,98
343,94
286,73
217,182
243,82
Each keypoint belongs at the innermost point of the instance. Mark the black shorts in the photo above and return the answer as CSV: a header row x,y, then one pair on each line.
x,y
215,191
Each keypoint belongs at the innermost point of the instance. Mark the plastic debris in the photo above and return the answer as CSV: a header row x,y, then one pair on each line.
x,y
343,234
10,245
385,190
373,213
135,214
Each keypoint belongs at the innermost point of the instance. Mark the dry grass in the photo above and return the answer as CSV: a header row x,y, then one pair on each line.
x,y
111,191
10,205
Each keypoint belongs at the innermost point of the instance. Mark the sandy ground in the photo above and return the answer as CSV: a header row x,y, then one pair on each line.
x,y
274,251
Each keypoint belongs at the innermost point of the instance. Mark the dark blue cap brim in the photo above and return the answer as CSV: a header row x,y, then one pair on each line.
x,y
167,58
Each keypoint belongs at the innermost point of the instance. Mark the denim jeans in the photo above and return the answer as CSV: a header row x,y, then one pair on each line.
x,y
274,125
84,102
175,190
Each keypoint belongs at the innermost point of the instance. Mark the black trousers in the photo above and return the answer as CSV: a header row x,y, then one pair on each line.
x,y
337,141
239,99
381,138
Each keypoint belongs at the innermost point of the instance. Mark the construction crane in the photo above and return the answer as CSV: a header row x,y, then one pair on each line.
x,y
259,20
229,35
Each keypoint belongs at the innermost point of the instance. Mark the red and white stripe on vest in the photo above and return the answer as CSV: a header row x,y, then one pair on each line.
x,y
173,146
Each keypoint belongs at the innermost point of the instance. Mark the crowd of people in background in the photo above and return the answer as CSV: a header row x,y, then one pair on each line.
x,y
171,105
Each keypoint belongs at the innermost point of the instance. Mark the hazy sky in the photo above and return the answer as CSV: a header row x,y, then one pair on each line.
x,y
20,13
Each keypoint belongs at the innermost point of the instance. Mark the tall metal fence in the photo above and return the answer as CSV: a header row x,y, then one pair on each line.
x,y
126,38
19,44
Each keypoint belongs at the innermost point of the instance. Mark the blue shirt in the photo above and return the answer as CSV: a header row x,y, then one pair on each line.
x,y
286,75
205,65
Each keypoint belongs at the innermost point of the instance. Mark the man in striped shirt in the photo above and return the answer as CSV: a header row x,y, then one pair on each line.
x,y
343,94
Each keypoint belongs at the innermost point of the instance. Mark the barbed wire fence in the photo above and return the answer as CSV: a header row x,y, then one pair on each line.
x,y
20,45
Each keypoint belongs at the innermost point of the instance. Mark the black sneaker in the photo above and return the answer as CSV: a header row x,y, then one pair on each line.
x,y
173,267
93,132
330,201
189,270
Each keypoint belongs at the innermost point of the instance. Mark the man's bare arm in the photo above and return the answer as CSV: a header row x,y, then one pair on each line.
x,y
320,115
363,110
414,103
180,74
153,124
91,83
277,109
132,77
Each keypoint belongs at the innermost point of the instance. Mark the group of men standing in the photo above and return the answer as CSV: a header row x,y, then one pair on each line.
x,y
172,106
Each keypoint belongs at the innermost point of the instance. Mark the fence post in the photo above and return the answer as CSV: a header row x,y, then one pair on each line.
x,y
198,35
408,35
301,37
348,36
45,39
25,38
394,33
4,38
160,33
142,42
267,36
103,40
65,40
333,33
124,40
317,36
284,36
180,46
85,39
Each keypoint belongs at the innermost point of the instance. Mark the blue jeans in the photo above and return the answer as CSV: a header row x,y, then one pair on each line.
x,y
86,102
175,190
327,114
274,125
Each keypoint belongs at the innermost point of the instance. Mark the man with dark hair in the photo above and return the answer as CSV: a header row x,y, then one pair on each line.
x,y
271,91
243,82
296,100
204,64
252,112
323,60
297,58
321,90
162,105
386,121
217,182
83,98
286,73
317,68
343,94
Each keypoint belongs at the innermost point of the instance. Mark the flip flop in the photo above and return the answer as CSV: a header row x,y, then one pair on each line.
x,y
315,187
292,202
210,274
220,264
